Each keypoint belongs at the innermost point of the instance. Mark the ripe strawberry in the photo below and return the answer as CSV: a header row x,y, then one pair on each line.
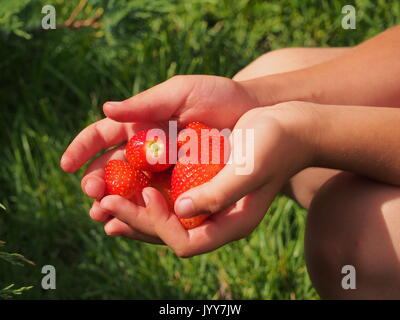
x,y
123,179
162,182
190,223
196,126
201,130
156,148
187,175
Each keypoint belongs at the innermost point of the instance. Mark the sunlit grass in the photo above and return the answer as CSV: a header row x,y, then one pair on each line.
x,y
54,84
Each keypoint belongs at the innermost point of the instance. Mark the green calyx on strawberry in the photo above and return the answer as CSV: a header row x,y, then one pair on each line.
x,y
147,145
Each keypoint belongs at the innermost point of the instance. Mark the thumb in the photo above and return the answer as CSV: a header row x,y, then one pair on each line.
x,y
158,103
221,192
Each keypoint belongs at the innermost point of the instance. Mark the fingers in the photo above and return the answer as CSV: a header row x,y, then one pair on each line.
x,y
166,224
98,136
94,187
226,226
91,140
245,171
158,103
225,189
125,210
97,213
93,180
115,227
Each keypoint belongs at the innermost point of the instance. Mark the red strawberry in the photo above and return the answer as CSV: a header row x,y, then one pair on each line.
x,y
186,176
162,182
156,148
189,175
196,126
123,179
190,223
201,130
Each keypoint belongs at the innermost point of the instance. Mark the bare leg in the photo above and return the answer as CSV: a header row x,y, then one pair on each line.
x,y
352,220
285,60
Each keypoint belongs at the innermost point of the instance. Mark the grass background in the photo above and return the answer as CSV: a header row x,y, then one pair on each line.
x,y
53,83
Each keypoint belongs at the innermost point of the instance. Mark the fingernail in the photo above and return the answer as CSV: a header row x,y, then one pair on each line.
x,y
145,198
66,163
89,186
185,207
113,103
102,205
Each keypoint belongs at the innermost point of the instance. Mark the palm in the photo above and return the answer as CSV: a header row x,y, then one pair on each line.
x,y
216,101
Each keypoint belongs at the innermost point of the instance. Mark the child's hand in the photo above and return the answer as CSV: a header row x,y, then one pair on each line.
x,y
217,101
283,146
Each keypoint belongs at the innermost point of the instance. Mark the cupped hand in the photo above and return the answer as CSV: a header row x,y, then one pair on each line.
x,y
154,223
268,146
237,202
217,101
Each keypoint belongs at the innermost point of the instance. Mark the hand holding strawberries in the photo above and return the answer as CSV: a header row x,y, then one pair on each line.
x,y
184,98
236,203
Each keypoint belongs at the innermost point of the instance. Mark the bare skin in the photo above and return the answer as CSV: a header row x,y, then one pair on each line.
x,y
306,129
352,220
365,75
306,183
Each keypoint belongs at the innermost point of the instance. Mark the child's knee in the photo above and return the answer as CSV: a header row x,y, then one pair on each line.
x,y
352,222
276,61
305,185
285,60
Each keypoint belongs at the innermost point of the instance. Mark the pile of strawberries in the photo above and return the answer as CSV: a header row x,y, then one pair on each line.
x,y
199,165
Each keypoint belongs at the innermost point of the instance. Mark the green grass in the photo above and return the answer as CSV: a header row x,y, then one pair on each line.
x,y
52,85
